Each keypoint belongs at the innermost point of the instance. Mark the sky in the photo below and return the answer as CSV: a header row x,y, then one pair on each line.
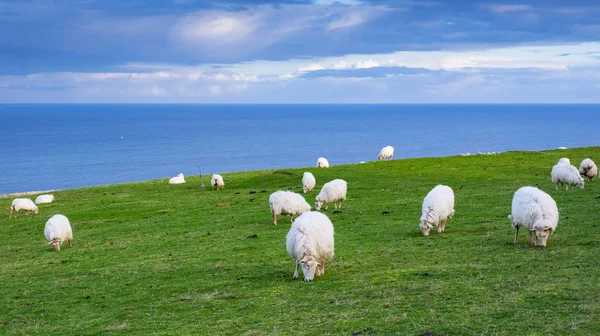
x,y
299,51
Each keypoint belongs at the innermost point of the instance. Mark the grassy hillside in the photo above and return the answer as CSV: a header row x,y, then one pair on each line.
x,y
152,258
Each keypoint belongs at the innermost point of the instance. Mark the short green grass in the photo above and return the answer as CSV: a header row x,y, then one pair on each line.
x,y
151,258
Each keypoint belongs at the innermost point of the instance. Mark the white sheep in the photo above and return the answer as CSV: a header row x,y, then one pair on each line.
x,y
310,242
332,191
387,153
322,163
535,211
287,203
22,204
438,207
217,181
588,169
567,175
58,230
177,179
564,161
308,182
44,199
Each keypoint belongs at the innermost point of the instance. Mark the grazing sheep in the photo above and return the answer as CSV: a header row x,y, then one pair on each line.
x,y
332,191
44,199
287,203
588,169
567,175
564,161
177,179
536,211
438,207
22,204
57,231
217,181
322,163
308,182
386,153
310,242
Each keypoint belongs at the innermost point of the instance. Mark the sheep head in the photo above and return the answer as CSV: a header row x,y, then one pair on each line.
x,y
541,235
305,189
56,242
309,267
580,183
425,227
318,204
35,210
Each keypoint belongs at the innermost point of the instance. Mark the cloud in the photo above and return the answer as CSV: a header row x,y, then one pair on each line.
x,y
216,27
346,21
377,72
508,8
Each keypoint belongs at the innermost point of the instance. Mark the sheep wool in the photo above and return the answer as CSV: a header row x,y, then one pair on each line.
x,y
564,161
217,181
310,242
22,204
322,163
333,191
58,230
287,203
177,179
308,182
567,175
438,207
44,199
588,169
386,153
535,211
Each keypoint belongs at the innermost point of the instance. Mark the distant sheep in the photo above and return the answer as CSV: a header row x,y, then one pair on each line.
x,y
308,182
177,179
588,169
386,153
287,203
44,199
217,181
22,204
438,207
310,242
332,191
567,175
58,230
535,211
322,163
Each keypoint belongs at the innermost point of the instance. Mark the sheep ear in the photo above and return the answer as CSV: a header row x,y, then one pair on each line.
x,y
304,260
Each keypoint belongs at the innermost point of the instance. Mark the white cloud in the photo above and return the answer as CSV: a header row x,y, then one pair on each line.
x,y
505,8
348,20
215,90
216,27
366,64
160,92
311,67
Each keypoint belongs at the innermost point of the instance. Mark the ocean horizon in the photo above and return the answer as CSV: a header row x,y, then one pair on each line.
x,y
64,146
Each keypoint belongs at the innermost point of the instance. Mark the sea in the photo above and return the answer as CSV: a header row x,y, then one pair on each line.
x,y
56,146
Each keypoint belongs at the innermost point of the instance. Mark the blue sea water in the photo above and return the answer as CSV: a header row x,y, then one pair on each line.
x,y
53,146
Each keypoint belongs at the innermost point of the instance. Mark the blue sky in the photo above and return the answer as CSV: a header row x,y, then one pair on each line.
x,y
299,51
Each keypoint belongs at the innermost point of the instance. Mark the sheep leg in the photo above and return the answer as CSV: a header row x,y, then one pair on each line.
x,y
70,244
213,187
323,266
516,234
296,271
291,218
326,206
335,204
556,186
341,204
531,241
26,213
274,219
442,226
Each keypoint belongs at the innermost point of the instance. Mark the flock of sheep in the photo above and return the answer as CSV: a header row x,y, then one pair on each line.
x,y
310,239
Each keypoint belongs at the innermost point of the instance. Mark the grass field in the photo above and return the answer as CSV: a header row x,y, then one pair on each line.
x,y
151,258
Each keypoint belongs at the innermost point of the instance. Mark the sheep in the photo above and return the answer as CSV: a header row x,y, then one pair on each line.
x,y
386,153
177,179
44,199
217,181
287,203
566,174
57,231
588,169
310,242
322,163
332,191
535,211
22,204
308,182
438,207
564,161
